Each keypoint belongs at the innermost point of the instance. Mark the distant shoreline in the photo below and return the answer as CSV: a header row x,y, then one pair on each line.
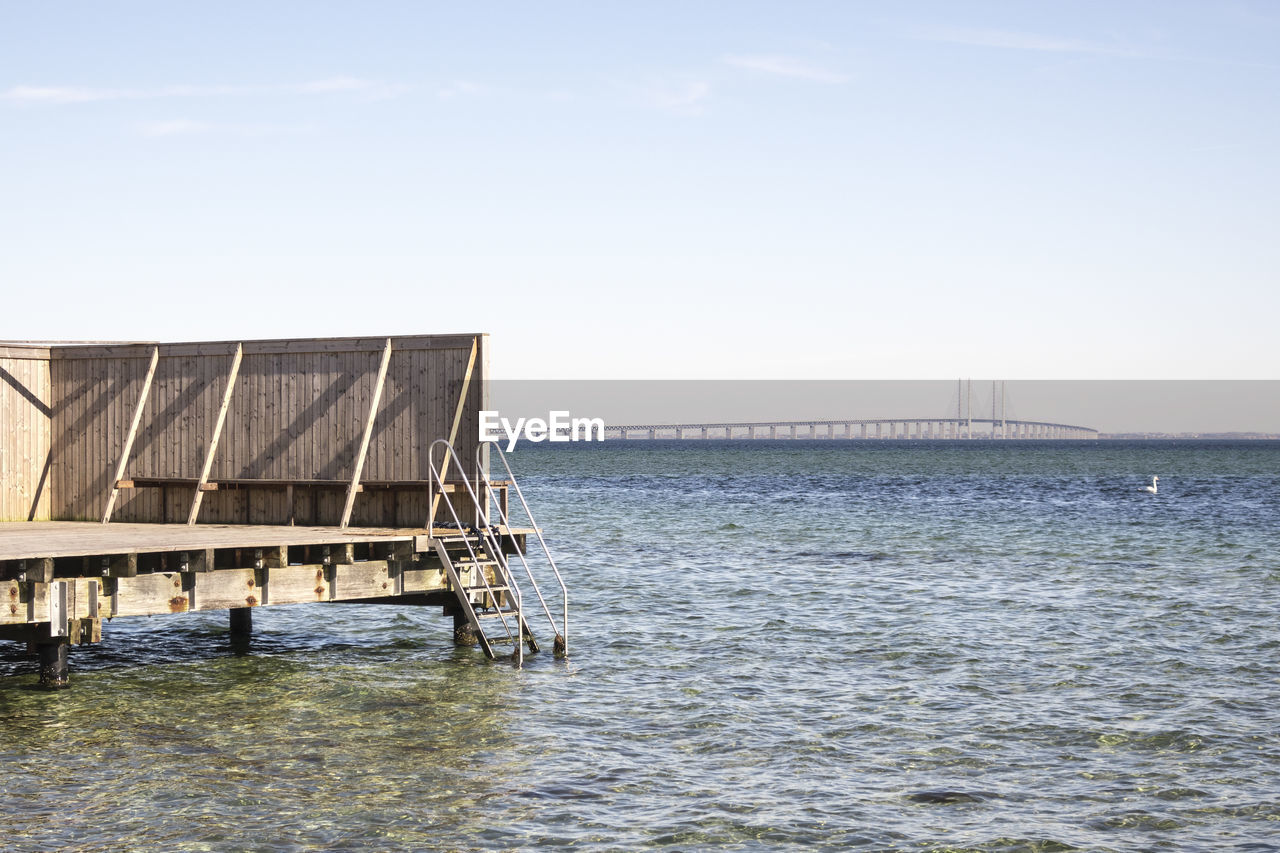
x,y
1183,436
1116,438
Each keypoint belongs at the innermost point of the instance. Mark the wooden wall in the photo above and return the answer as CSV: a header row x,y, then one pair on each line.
x,y
298,411
25,429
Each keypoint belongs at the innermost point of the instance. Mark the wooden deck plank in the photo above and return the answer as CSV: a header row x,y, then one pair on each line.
x,y
250,482
24,540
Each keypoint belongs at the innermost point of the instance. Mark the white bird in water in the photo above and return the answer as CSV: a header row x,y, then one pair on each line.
x,y
1152,487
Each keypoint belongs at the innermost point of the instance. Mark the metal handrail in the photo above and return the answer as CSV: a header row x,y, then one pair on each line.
x,y
492,544
482,478
562,635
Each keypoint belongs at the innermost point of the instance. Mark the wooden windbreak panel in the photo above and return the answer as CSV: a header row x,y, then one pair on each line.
x,y
95,402
297,412
418,406
26,406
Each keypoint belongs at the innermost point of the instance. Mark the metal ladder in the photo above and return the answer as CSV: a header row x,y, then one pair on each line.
x,y
490,594
561,632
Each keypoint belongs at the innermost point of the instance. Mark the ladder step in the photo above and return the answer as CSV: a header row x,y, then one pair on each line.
x,y
486,589
494,614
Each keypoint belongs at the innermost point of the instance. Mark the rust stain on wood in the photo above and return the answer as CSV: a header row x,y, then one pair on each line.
x,y
250,601
178,604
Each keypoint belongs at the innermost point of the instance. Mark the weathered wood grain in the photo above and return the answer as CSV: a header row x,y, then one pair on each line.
x,y
132,434
367,435
179,592
26,429
212,449
64,539
296,415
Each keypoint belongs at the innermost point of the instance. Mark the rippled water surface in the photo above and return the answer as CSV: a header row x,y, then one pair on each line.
x,y
790,645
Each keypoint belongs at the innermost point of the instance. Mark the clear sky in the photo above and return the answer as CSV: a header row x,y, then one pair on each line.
x,y
657,190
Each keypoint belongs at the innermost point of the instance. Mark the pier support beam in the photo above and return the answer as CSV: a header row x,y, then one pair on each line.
x,y
54,669
241,623
464,634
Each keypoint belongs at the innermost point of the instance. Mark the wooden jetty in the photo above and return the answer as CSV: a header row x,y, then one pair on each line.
x,y
145,479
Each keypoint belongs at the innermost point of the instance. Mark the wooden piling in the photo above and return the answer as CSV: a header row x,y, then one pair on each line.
x,y
464,633
241,622
54,663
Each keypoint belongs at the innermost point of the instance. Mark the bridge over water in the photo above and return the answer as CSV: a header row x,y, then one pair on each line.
x,y
873,428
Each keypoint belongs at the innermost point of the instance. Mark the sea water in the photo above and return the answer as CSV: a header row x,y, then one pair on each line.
x,y
774,645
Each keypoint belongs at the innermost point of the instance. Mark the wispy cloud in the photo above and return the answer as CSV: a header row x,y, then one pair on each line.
x,y
59,94
1025,41
175,127
460,89
337,84
81,94
188,127
784,66
686,98
1007,40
